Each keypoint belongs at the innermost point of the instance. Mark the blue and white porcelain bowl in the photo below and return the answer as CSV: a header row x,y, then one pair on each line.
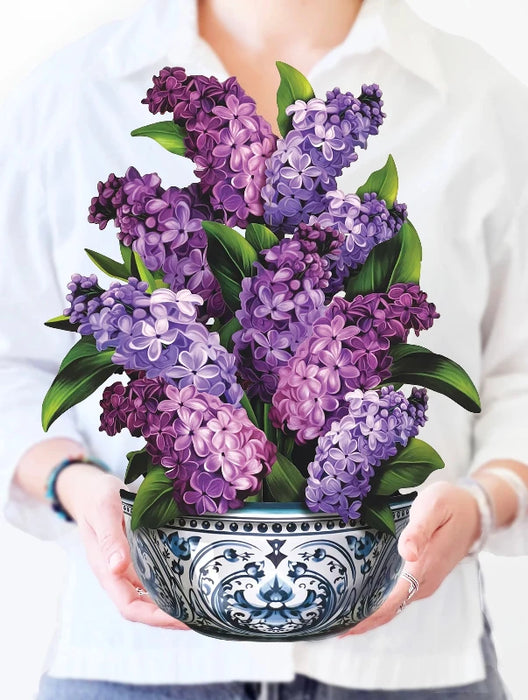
x,y
267,572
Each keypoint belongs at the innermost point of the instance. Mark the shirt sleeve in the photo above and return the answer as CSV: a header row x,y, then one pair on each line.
x,y
500,429
29,351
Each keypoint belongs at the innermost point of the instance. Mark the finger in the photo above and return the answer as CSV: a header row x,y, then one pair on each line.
x,y
399,597
429,512
109,531
137,608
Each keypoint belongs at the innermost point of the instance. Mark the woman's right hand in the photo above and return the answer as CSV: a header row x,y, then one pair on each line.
x,y
92,498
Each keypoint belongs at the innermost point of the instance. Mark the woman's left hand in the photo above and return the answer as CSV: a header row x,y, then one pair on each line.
x,y
444,522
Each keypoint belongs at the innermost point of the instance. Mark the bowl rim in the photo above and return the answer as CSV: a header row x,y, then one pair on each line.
x,y
265,510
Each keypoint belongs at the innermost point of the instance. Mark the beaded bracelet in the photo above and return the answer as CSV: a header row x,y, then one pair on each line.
x,y
51,485
520,489
486,511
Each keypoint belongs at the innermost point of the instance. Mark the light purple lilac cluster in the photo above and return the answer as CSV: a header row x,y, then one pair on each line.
x,y
280,303
210,450
376,424
349,348
157,333
321,143
164,227
226,138
364,222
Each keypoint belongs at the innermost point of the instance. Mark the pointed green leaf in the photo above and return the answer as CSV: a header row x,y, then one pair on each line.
x,y
383,182
379,515
107,265
128,260
410,467
168,134
62,323
139,463
285,481
417,365
154,279
154,505
75,382
245,403
395,261
227,331
260,237
85,347
293,86
231,258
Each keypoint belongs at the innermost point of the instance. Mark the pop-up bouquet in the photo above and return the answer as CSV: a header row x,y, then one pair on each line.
x,y
260,319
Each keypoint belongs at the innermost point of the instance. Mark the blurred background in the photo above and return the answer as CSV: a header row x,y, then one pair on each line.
x,y
31,584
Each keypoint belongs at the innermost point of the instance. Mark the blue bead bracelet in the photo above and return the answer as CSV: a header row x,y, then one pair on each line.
x,y
51,485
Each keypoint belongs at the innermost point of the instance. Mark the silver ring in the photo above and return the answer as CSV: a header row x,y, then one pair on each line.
x,y
414,584
141,591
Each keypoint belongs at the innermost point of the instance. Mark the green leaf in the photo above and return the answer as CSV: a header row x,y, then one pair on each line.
x,y
245,403
260,237
395,261
285,481
62,323
167,134
227,331
139,463
75,382
410,467
107,265
154,505
145,275
85,347
230,258
293,86
379,515
413,364
128,260
383,182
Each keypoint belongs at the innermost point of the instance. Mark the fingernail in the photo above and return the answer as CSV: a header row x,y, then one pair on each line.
x,y
115,559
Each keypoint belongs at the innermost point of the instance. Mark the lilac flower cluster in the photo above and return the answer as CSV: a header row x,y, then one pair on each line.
x,y
280,303
364,222
321,143
215,456
164,227
349,348
375,425
227,140
158,333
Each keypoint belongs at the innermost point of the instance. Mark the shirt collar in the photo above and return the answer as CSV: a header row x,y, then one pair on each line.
x,y
169,27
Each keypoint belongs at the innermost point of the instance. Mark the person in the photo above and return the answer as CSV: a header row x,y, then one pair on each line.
x,y
455,128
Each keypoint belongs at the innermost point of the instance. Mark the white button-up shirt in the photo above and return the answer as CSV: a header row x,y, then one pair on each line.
x,y
456,128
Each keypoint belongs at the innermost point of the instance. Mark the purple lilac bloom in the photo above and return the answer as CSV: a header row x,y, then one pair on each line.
x,y
349,348
321,143
364,222
376,424
280,303
165,228
227,140
83,296
159,334
211,451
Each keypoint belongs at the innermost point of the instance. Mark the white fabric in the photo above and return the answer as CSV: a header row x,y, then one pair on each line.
x,y
456,129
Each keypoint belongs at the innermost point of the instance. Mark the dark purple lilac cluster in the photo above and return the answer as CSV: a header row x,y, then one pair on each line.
x,y
165,228
226,138
376,424
321,143
364,222
280,303
210,450
349,348
159,334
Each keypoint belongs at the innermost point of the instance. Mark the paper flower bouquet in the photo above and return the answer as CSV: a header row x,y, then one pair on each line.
x,y
259,326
